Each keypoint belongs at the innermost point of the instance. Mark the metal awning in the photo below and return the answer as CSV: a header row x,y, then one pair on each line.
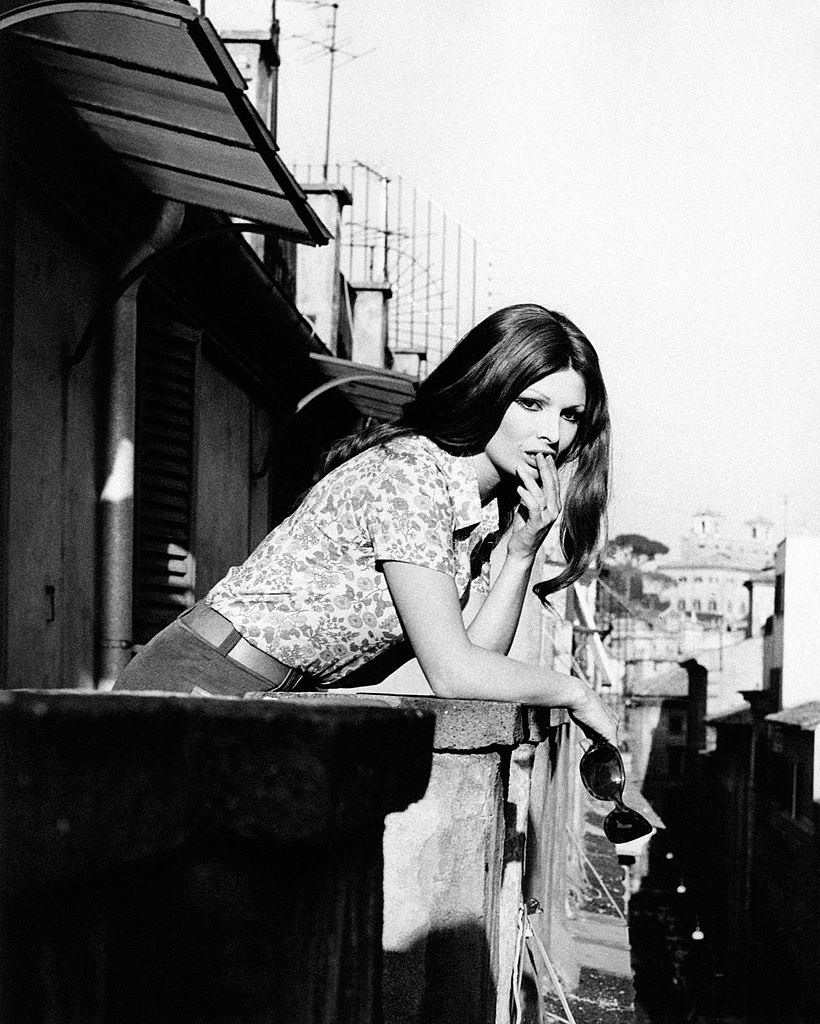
x,y
153,81
374,392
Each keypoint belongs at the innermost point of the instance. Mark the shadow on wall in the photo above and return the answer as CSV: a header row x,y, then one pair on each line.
x,y
436,981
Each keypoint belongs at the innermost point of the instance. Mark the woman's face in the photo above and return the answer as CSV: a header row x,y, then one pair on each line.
x,y
544,418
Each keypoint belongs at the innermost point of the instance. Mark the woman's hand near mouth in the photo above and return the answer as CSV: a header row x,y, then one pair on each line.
x,y
539,508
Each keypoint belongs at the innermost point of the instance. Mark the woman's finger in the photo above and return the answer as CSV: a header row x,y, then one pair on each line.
x,y
534,512
550,487
532,502
530,486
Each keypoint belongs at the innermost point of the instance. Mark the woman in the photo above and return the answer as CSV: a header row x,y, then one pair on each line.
x,y
385,548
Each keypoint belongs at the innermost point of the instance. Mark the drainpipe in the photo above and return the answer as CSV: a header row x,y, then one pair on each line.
x,y
115,638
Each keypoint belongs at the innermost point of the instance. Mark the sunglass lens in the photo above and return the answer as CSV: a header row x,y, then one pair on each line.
x,y
623,825
602,771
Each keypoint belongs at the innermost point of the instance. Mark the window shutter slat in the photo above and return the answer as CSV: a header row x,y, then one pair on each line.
x,y
166,402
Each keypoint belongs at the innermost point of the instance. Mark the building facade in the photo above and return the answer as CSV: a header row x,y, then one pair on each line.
x,y
139,407
793,649
707,583
760,792
711,535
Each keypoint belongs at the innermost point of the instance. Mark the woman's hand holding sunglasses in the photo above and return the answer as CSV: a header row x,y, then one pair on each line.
x,y
604,778
591,715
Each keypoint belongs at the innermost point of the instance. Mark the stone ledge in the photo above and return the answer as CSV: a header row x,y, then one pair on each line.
x,y
460,724
542,721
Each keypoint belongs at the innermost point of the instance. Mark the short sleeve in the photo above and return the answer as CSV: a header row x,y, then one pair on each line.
x,y
408,511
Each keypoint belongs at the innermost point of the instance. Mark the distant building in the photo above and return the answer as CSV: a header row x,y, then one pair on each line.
x,y
787,851
712,537
760,801
665,731
711,591
792,653
761,885
794,769
708,581
656,733
760,587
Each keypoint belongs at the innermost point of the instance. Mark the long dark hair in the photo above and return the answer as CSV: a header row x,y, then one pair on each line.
x,y
461,404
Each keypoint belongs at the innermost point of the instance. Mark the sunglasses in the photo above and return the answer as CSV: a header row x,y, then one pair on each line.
x,y
604,777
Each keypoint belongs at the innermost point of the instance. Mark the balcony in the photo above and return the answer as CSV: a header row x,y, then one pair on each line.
x,y
214,860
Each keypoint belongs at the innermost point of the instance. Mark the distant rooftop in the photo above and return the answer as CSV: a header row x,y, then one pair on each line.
x,y
807,716
716,560
743,716
673,682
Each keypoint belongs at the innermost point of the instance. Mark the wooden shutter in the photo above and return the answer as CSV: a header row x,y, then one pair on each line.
x,y
164,474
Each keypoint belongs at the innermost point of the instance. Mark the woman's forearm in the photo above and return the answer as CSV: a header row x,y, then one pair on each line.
x,y
479,674
496,621
455,666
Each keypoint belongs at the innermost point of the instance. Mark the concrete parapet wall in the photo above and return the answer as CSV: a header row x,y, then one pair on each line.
x,y
252,834
504,817
201,861
453,869
443,869
454,860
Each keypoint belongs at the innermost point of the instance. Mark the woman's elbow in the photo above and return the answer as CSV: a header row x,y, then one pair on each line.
x,y
445,685
449,677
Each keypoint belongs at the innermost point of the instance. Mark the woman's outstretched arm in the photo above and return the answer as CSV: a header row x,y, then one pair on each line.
x,y
430,614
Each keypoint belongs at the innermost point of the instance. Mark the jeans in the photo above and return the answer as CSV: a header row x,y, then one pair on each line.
x,y
177,660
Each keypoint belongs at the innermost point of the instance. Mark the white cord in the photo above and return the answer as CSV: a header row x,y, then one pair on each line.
x,y
600,880
518,967
524,933
552,973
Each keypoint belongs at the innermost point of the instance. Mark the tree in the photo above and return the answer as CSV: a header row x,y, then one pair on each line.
x,y
624,571
634,547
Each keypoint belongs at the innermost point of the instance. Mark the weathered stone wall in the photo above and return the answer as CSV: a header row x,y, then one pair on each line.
x,y
503,820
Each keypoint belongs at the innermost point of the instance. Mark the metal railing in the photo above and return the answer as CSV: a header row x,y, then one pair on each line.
x,y
439,273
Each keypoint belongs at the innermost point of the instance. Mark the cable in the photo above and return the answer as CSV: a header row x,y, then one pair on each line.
x,y
600,880
524,933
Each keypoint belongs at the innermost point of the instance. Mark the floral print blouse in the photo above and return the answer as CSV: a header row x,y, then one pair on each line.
x,y
313,593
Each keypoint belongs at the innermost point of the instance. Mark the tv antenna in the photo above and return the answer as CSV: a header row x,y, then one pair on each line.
x,y
332,49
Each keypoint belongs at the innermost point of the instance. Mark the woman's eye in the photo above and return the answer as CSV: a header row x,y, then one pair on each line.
x,y
572,415
528,403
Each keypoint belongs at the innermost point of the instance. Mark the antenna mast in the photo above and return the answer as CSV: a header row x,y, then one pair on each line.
x,y
332,50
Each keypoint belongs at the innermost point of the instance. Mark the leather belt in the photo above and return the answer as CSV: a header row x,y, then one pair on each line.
x,y
219,632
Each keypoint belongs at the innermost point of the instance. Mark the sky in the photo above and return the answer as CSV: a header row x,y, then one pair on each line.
x,y
646,167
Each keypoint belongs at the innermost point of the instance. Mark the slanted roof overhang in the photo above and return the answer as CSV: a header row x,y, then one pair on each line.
x,y
153,81
372,391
